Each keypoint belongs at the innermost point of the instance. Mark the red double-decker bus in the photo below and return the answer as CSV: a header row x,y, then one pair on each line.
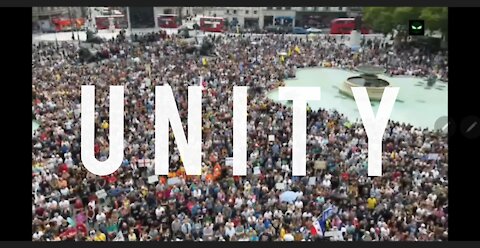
x,y
65,24
345,26
212,24
103,22
168,21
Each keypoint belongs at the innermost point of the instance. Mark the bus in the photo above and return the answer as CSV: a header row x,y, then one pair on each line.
x,y
103,21
65,24
168,21
345,26
212,24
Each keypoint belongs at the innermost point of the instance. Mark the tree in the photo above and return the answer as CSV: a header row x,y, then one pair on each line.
x,y
379,18
384,19
436,19
401,17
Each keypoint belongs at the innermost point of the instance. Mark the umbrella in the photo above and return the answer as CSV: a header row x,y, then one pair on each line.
x,y
115,192
289,196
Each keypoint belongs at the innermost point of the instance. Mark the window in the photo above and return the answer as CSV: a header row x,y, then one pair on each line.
x,y
327,8
246,12
288,8
269,8
254,12
234,11
167,11
228,11
340,8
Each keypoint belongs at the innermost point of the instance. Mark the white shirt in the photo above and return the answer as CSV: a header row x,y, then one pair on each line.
x,y
101,217
268,215
64,204
289,237
326,183
159,211
230,231
299,204
91,204
197,193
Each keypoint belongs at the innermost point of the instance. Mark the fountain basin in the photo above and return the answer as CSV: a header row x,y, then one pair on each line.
x,y
368,79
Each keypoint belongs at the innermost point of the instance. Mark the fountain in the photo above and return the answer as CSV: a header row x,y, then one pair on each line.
x,y
368,78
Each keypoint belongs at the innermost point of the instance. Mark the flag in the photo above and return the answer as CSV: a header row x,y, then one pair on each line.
x,y
204,61
326,214
282,58
297,49
316,229
289,52
323,219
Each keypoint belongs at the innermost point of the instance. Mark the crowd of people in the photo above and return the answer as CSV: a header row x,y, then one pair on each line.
x,y
409,202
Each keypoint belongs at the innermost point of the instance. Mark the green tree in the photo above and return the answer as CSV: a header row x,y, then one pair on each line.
x,y
379,18
401,17
436,19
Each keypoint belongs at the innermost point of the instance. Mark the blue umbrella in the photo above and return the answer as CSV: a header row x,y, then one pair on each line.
x,y
289,196
115,192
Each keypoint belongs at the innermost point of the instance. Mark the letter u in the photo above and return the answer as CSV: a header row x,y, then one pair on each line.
x,y
116,130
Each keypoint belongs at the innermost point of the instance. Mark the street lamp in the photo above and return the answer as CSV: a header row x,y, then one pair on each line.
x,y
54,29
71,22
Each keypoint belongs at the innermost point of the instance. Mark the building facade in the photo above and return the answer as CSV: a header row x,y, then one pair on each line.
x,y
265,16
42,13
41,16
249,17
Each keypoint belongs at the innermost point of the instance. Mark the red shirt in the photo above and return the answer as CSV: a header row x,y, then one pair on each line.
x,y
236,221
160,195
39,211
167,193
62,168
190,205
69,233
78,204
345,176
92,197
111,179
96,149
396,175
82,228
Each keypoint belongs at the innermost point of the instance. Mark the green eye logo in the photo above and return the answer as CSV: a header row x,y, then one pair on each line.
x,y
416,27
